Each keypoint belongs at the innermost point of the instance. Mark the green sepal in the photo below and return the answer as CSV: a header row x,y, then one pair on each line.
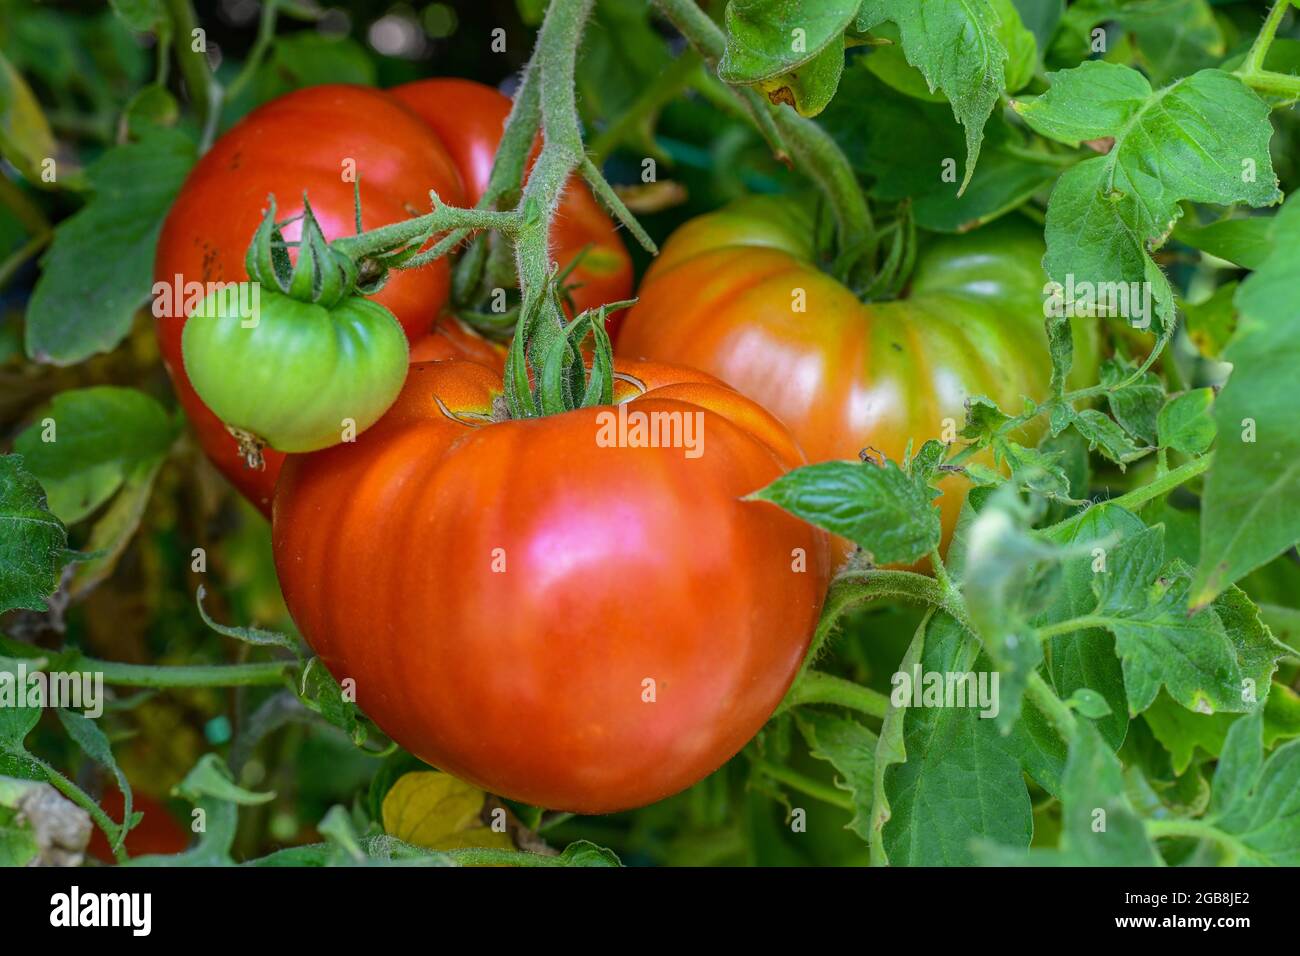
x,y
321,275
519,393
600,382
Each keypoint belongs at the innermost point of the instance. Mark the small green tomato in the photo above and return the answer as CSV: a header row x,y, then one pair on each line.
x,y
296,376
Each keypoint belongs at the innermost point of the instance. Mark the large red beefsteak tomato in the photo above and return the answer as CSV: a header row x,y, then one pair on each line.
x,y
433,134
562,619
724,296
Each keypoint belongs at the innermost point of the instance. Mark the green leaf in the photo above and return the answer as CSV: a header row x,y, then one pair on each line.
x,y
1040,17
16,722
983,420
18,841
1251,504
810,88
33,542
1144,605
904,146
1089,703
320,692
879,507
211,778
25,137
1082,660
1168,38
114,529
1136,405
1245,242
1107,437
99,269
890,748
850,748
1185,424
1019,42
1190,736
89,441
959,779
956,45
1099,826
1256,801
1032,469
1205,139
586,853
85,733
1060,346
259,637
768,38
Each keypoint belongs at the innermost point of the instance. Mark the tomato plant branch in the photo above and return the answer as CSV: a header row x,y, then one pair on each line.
x,y
265,37
811,147
444,217
263,673
1038,691
205,92
1252,71
1199,830
111,829
813,788
1148,492
818,687
1255,56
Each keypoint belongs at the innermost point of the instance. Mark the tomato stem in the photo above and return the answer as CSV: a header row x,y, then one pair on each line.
x,y
813,788
811,147
111,828
818,687
1253,64
199,675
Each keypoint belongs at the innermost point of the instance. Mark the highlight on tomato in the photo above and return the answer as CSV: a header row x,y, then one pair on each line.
x,y
556,608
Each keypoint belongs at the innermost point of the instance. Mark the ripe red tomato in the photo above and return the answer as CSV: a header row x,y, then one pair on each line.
x,y
723,296
428,135
580,627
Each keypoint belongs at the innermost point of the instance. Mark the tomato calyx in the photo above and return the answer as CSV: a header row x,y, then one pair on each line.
x,y
322,275
546,372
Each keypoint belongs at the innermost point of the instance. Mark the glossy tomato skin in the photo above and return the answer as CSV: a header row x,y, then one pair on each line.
x,y
469,118
844,376
429,135
578,627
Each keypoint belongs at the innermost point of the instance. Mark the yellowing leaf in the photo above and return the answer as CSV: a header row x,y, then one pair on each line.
x,y
25,137
438,812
